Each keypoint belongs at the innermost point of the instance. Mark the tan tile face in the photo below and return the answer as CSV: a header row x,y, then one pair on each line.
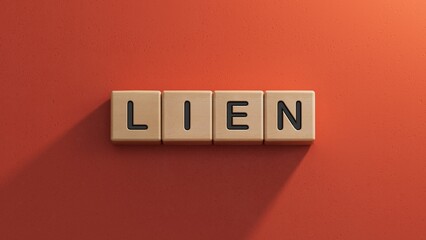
x,y
187,117
238,117
135,116
289,117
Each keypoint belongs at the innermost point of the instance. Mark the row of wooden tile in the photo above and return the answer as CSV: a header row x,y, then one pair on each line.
x,y
219,117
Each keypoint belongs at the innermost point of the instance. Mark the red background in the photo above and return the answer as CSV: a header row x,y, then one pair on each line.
x,y
363,178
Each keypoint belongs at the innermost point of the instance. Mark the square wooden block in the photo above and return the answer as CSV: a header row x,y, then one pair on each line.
x,y
289,117
135,116
187,117
238,117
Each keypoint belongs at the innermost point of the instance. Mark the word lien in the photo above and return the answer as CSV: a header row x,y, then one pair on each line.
x,y
219,117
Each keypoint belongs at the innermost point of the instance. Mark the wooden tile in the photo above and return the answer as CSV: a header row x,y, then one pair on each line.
x,y
187,117
238,117
289,117
135,116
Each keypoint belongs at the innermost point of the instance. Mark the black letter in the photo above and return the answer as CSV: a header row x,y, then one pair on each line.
x,y
187,115
297,124
231,115
130,124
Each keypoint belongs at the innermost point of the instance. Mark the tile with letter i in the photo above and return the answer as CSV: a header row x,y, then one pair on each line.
x,y
289,117
187,117
135,117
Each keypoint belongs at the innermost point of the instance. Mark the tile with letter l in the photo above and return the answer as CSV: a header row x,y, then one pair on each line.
x,y
136,117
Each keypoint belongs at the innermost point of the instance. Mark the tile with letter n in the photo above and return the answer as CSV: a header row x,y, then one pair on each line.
x,y
187,117
136,117
289,117
238,117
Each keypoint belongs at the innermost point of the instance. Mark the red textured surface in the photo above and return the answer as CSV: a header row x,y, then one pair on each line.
x,y
363,178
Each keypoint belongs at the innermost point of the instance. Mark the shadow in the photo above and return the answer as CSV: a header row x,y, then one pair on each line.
x,y
84,187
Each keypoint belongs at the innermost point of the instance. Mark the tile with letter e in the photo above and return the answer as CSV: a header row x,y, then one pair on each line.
x,y
136,117
289,117
238,117
187,117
